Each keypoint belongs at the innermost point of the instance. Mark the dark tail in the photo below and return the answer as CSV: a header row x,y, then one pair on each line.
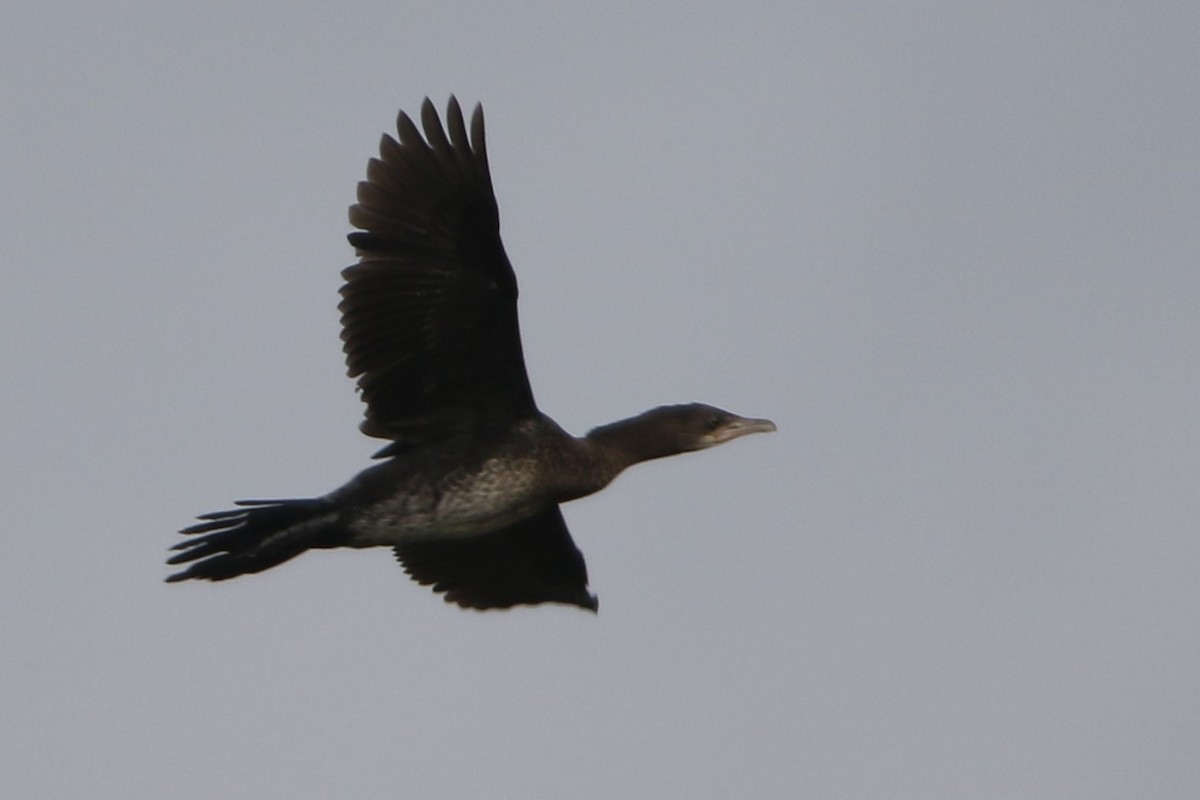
x,y
257,536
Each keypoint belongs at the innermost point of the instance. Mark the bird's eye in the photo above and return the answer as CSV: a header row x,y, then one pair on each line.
x,y
713,422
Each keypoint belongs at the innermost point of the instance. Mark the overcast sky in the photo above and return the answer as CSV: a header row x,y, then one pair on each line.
x,y
950,248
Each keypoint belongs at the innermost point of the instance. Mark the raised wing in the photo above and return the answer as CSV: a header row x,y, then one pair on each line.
x,y
532,561
429,314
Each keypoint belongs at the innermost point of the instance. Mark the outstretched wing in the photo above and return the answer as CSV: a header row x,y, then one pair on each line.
x,y
532,561
429,313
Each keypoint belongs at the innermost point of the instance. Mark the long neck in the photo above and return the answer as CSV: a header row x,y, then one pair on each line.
x,y
630,441
591,462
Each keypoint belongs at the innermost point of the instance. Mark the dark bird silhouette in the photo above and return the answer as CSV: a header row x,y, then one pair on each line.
x,y
468,489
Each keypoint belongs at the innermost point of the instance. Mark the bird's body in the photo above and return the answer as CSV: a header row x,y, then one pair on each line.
x,y
469,488
457,490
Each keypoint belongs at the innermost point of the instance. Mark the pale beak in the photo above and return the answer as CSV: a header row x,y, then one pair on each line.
x,y
741,426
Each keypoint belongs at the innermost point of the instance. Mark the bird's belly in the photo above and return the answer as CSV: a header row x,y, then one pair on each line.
x,y
461,506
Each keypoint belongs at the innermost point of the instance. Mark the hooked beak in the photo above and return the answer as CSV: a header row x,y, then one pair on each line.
x,y
741,426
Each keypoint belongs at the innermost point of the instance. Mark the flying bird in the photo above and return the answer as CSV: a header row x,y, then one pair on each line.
x,y
467,489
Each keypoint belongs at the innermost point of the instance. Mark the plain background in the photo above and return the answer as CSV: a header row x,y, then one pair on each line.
x,y
951,248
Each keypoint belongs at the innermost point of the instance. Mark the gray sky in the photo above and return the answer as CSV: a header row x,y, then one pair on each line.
x,y
949,247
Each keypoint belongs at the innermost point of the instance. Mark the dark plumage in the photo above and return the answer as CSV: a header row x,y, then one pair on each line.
x,y
468,489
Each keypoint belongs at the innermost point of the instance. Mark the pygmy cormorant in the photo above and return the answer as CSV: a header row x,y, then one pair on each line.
x,y
468,491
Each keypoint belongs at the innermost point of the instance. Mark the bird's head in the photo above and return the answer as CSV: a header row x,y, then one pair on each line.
x,y
667,430
695,426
